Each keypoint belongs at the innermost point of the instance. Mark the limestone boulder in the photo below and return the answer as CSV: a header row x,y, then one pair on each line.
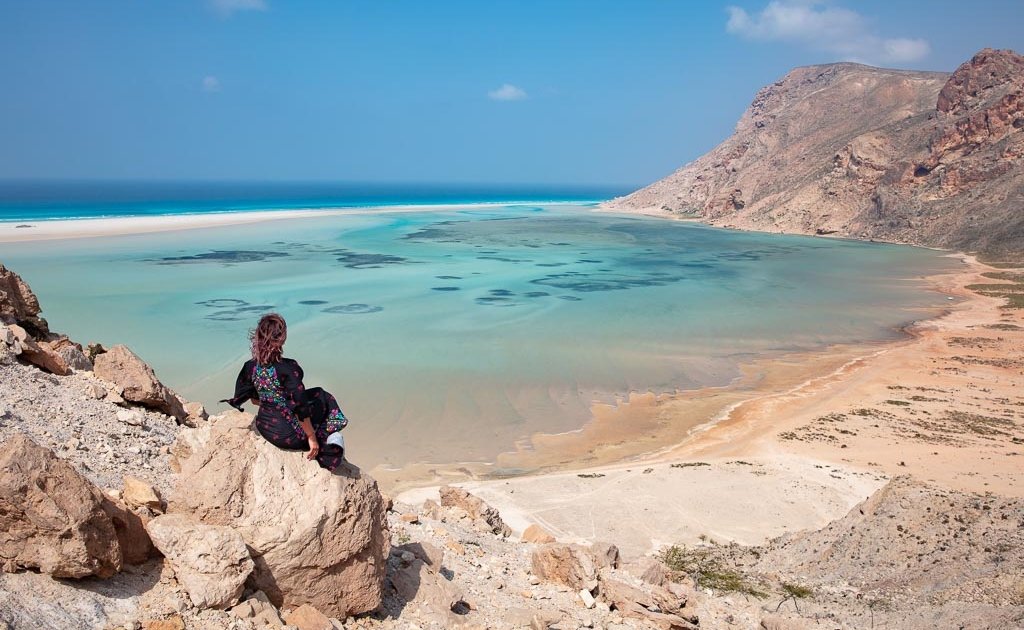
x,y
657,608
137,382
605,554
316,537
422,588
650,570
19,305
130,526
51,517
562,563
476,507
305,617
42,355
196,413
259,611
137,493
210,561
537,534
72,353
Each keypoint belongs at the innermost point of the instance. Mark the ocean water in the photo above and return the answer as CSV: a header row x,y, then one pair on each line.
x,y
451,334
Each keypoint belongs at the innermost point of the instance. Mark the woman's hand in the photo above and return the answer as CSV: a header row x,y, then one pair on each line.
x,y
314,447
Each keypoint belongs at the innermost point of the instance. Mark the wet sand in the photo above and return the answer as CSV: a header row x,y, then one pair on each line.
x,y
794,444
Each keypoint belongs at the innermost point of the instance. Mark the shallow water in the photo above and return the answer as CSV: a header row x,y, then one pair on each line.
x,y
449,335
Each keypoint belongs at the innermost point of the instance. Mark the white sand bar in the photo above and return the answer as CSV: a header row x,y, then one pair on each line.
x,y
53,229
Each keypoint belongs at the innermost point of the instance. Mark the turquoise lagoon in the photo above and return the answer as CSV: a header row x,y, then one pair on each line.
x,y
449,335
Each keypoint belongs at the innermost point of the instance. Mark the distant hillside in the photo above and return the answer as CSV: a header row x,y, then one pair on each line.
x,y
918,157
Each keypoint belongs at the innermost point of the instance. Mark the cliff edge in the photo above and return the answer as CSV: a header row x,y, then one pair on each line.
x,y
924,158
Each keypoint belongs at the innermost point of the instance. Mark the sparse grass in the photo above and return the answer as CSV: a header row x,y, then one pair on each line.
x,y
1008,276
1005,264
688,464
707,571
590,475
1013,293
898,403
797,591
996,288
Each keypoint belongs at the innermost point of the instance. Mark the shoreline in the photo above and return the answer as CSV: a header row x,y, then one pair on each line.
x,y
820,429
74,228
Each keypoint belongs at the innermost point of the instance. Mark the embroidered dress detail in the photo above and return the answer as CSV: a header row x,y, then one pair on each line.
x,y
336,421
268,386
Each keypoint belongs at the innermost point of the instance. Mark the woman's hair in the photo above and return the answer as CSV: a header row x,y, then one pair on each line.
x,y
268,339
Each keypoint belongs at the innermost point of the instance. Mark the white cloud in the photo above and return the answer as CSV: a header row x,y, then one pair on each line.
x,y
823,26
227,7
507,92
211,84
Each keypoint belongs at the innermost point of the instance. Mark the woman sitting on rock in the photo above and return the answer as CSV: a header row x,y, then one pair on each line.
x,y
290,416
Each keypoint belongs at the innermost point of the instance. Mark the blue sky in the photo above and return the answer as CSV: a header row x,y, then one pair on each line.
x,y
504,91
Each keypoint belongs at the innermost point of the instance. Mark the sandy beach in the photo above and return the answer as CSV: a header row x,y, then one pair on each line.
x,y
794,444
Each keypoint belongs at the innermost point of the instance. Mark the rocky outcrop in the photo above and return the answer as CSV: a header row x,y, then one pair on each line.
x,y
137,381
316,538
51,518
477,509
19,305
918,157
210,561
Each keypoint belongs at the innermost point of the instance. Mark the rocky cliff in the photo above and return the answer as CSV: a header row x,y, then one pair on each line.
x,y
924,158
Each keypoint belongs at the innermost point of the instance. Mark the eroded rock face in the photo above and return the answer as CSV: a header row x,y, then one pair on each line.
x,y
139,383
316,538
51,517
919,157
210,561
19,305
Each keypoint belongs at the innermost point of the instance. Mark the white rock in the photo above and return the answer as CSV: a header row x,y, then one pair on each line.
x,y
210,561
132,417
588,599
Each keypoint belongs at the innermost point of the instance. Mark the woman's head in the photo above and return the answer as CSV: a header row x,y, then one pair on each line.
x,y
268,339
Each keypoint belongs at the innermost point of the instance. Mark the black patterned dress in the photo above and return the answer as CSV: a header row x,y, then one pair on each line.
x,y
284,401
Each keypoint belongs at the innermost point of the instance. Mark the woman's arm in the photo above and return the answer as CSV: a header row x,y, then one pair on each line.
x,y
314,444
244,389
295,391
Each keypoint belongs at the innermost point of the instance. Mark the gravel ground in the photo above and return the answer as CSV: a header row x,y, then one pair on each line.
x,y
103,440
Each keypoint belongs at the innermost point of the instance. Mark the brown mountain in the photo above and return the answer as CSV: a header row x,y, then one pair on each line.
x,y
917,157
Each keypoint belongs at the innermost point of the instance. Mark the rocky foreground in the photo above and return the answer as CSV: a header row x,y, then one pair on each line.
x,y
925,158
122,506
